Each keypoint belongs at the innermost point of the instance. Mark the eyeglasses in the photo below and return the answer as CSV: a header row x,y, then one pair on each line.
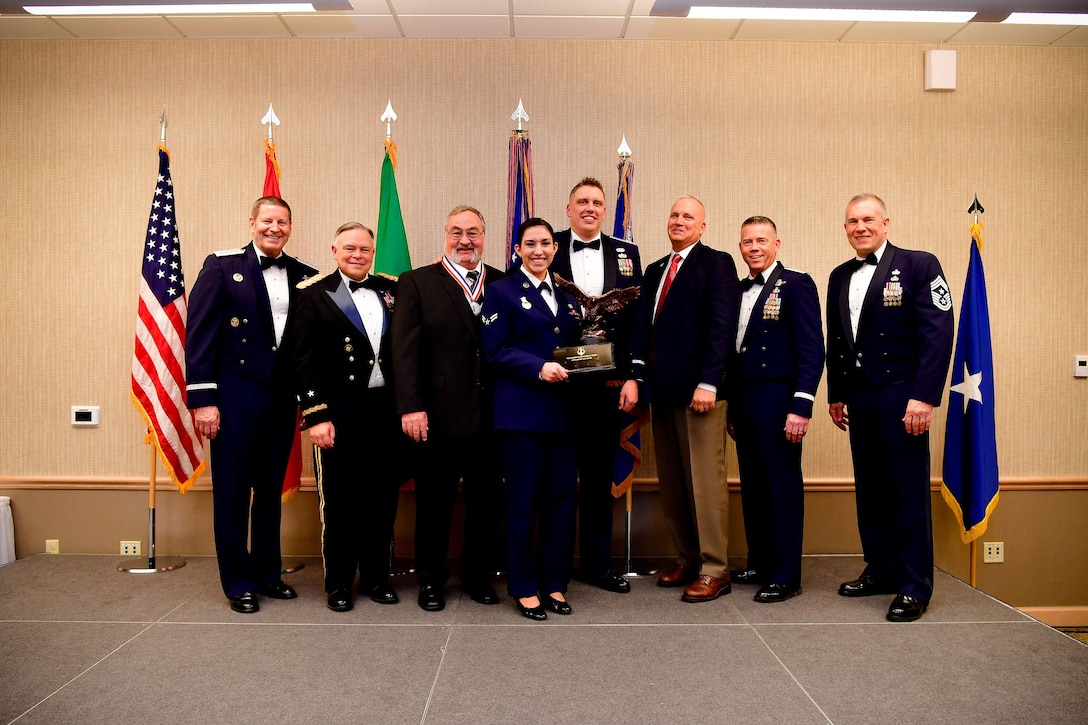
x,y
455,234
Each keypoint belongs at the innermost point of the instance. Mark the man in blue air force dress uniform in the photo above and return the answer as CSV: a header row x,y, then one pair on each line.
x,y
240,390
776,364
889,343
341,358
597,263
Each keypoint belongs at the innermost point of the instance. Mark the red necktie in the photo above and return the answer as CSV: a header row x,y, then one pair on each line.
x,y
669,277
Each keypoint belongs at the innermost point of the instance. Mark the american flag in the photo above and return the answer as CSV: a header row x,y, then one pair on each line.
x,y
158,381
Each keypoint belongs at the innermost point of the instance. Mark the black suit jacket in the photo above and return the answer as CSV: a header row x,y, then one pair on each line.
x,y
437,352
332,353
622,268
783,338
690,340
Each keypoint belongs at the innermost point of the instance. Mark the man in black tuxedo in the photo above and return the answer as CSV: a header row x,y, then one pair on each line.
x,y
686,322
597,263
341,355
889,343
444,400
240,391
774,368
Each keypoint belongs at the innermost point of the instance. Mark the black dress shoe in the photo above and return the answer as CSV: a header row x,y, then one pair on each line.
x,y
278,590
556,605
481,594
340,601
863,586
906,609
430,598
536,613
747,576
610,581
245,603
770,593
383,594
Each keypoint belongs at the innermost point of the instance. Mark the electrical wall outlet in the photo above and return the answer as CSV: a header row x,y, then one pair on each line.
x,y
130,548
52,546
993,552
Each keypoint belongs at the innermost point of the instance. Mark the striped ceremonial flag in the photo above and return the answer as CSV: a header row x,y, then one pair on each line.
x,y
158,381
519,197
629,451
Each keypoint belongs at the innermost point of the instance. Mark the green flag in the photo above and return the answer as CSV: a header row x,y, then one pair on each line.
x,y
391,258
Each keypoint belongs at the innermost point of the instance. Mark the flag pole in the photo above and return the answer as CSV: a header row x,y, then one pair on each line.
x,y
624,152
152,564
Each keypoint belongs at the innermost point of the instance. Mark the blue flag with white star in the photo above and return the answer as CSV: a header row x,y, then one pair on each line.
x,y
970,447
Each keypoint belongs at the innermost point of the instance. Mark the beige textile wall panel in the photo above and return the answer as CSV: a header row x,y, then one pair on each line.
x,y
790,130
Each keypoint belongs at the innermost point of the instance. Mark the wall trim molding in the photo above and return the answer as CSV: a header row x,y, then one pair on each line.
x,y
1059,616
309,483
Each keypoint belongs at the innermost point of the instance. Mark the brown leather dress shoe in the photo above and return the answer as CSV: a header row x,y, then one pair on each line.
x,y
678,576
706,589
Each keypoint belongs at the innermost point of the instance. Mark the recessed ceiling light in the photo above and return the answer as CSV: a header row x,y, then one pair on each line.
x,y
219,8
894,16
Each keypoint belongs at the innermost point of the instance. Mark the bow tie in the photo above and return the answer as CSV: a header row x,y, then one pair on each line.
x,y
367,283
545,287
871,259
280,261
747,284
579,245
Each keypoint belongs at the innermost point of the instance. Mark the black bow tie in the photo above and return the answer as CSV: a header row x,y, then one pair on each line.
x,y
280,261
545,287
871,259
579,245
748,284
367,283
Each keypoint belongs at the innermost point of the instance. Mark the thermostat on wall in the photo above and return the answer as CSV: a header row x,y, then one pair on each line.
x,y
85,416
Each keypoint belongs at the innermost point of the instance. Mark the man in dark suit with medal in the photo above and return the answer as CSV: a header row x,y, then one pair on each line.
x,y
889,343
686,322
444,400
341,355
776,364
597,263
240,391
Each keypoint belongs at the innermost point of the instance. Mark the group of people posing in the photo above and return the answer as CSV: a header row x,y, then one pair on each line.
x,y
447,376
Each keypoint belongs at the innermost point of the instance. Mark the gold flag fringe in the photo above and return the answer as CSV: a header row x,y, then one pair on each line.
x,y
391,149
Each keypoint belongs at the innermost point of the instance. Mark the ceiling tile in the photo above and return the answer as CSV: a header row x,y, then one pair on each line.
x,y
1076,36
1010,34
569,27
449,7
455,26
27,27
795,30
230,26
342,26
901,32
680,29
100,28
570,7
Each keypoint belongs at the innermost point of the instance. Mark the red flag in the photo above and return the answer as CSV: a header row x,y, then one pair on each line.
x,y
158,381
292,481
271,170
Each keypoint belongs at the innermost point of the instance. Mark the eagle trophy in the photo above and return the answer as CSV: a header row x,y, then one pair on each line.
x,y
595,308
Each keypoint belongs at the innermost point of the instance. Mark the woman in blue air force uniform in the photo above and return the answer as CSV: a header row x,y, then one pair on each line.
x,y
525,318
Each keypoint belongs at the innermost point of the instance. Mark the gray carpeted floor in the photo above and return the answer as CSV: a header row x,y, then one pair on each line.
x,y
83,643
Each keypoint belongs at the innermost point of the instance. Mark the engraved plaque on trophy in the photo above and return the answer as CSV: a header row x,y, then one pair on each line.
x,y
593,352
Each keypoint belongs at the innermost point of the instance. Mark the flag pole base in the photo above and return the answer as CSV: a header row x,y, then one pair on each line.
x,y
151,566
628,565
290,567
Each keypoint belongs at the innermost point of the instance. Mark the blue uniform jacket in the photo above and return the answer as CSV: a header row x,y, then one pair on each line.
x,y
519,335
905,330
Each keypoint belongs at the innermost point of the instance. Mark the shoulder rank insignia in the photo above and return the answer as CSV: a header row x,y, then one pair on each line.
x,y
229,252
